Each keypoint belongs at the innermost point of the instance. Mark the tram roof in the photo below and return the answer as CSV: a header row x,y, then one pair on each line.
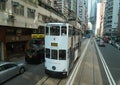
x,y
57,23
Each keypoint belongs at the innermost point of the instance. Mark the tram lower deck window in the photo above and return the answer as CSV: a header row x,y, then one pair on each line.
x,y
47,53
54,54
62,54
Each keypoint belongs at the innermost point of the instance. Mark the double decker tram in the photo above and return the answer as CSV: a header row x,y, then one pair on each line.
x,y
62,48
35,53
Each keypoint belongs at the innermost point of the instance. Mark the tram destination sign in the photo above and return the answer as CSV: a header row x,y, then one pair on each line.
x,y
54,44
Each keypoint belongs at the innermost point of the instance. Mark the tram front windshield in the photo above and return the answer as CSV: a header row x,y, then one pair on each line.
x,y
55,30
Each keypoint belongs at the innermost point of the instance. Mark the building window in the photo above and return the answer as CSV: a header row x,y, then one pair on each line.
x,y
18,9
2,5
39,17
49,3
31,13
22,10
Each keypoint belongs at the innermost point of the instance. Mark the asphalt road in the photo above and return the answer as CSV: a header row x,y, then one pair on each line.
x,y
89,73
35,73
112,58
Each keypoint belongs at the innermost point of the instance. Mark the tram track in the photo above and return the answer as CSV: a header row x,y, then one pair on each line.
x,y
46,80
88,63
89,73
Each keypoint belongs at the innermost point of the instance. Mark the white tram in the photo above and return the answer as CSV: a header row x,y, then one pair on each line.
x,y
62,45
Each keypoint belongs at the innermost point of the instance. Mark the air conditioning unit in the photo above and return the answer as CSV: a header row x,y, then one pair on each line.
x,y
11,18
3,0
15,3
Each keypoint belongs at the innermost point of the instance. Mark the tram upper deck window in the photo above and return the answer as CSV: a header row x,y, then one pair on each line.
x,y
62,54
63,30
55,30
47,30
54,54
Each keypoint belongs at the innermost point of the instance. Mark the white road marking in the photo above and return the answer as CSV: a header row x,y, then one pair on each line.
x,y
107,71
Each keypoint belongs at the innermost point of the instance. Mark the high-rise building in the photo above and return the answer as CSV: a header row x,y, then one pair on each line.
x,y
118,29
81,7
102,12
111,17
82,13
92,5
98,19
72,7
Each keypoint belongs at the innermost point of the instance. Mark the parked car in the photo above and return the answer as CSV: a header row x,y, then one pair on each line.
x,y
106,39
101,43
117,45
97,39
112,42
10,69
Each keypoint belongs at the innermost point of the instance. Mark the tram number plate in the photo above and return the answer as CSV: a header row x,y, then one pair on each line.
x,y
54,44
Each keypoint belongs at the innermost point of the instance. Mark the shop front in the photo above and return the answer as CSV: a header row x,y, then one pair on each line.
x,y
2,34
0,52
13,42
15,49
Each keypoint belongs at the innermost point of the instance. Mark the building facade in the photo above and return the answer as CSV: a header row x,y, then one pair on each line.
x,y
118,30
16,19
98,19
72,9
82,13
20,18
61,6
102,13
111,17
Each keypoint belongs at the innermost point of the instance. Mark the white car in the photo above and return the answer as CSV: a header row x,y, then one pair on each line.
x,y
101,43
10,69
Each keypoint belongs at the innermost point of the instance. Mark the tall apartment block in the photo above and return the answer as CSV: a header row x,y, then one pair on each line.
x,y
82,13
61,6
118,30
111,17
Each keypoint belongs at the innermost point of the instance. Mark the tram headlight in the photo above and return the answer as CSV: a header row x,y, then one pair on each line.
x,y
53,67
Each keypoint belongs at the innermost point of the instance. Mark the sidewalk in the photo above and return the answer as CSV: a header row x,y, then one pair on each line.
x,y
18,58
